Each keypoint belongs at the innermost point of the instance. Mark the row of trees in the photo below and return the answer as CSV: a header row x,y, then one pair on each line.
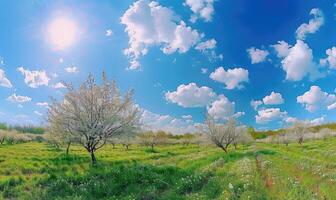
x,y
94,115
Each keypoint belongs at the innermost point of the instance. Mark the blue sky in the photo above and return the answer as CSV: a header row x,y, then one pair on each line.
x,y
183,58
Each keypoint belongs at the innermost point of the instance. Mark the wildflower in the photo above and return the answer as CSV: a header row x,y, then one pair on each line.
x,y
230,186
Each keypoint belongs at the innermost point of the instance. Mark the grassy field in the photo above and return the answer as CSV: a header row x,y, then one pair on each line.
x,y
259,171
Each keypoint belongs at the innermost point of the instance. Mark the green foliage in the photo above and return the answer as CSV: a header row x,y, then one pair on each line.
x,y
23,129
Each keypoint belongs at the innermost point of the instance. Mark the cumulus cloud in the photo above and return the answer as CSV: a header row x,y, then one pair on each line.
x,y
203,46
257,55
273,99
290,120
232,78
149,24
191,95
18,99
330,60
282,49
222,108
4,82
255,104
269,114
299,63
315,99
71,70
313,25
167,123
59,85
203,9
34,78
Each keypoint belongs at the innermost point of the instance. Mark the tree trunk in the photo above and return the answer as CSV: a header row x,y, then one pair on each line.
x,y
235,145
93,158
68,148
224,149
113,146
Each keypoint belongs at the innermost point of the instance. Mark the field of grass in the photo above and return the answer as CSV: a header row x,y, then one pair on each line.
x,y
260,171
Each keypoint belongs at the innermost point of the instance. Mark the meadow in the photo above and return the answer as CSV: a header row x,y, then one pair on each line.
x,y
36,170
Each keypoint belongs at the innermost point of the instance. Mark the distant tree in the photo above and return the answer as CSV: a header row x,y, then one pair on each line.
x,y
2,137
126,141
241,136
187,139
93,113
299,129
152,139
113,142
283,137
222,135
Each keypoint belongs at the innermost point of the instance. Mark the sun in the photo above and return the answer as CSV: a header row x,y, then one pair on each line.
x,y
62,33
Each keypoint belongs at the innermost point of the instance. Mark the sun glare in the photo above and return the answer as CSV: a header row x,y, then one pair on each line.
x,y
62,33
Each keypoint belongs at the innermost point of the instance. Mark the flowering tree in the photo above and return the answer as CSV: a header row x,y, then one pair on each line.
x,y
222,135
93,113
299,129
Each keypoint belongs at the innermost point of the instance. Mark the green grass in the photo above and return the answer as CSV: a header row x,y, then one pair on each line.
x,y
261,171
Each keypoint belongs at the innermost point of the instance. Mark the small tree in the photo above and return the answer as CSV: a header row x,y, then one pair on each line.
x,y
222,135
299,129
92,114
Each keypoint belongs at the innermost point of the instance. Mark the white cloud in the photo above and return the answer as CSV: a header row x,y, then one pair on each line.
x,y
203,46
150,24
317,121
4,82
330,60
108,32
38,113
332,106
72,70
315,99
187,117
204,70
273,99
313,25
191,95
201,8
257,55
223,108
269,114
42,104
255,104
290,120
299,63
282,48
34,78
59,85
18,99
167,123
232,78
